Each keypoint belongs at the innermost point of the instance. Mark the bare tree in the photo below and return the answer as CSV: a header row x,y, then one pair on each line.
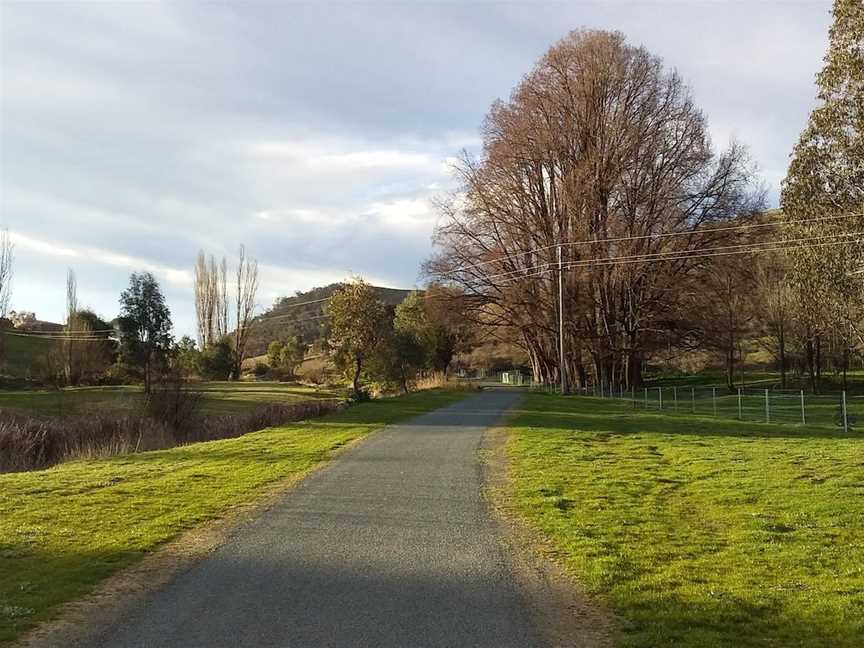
x,y
598,151
775,303
204,306
211,299
724,310
220,290
6,271
247,290
70,351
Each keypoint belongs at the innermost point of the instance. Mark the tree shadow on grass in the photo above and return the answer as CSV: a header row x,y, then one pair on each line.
x,y
295,595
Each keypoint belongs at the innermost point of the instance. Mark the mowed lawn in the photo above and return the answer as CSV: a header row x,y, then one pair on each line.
x,y
697,532
64,529
217,398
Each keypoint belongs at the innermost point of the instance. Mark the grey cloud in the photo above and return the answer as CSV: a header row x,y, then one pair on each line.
x,y
143,129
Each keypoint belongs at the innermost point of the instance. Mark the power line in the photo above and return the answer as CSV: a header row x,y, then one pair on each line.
x,y
681,257
666,255
619,239
64,332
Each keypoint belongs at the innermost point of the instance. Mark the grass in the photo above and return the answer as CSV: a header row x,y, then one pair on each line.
x,y
699,533
218,397
759,378
823,410
64,529
21,353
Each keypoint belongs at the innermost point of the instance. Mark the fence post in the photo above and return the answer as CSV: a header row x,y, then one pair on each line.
x,y
675,396
803,417
646,398
693,398
845,418
740,409
767,408
660,396
714,399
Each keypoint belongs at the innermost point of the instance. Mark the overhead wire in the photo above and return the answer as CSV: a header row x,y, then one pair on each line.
x,y
571,265
696,232
662,255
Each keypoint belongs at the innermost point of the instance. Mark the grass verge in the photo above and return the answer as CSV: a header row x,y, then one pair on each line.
x,y
699,533
64,529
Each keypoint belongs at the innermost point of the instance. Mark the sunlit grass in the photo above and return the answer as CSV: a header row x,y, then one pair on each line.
x,y
699,533
64,529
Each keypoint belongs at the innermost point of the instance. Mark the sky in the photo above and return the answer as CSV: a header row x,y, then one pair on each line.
x,y
134,134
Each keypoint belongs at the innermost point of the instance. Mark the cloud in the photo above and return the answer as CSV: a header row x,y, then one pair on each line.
x,y
103,257
134,134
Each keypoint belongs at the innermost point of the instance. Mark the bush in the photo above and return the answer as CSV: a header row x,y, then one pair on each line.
x,y
32,442
216,362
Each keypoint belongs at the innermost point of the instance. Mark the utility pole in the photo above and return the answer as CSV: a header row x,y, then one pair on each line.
x,y
561,321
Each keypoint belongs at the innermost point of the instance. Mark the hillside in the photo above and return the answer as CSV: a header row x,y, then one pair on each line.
x,y
302,315
21,354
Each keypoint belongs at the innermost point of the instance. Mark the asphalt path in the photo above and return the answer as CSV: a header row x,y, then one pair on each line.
x,y
392,544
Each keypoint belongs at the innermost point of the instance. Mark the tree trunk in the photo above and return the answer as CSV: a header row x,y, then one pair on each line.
x,y
818,363
147,373
781,342
404,379
845,365
356,381
730,368
811,369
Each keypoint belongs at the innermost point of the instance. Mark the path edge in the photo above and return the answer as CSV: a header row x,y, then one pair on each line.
x,y
563,612
80,621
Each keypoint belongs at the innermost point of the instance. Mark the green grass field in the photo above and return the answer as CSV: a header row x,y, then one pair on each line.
x,y
218,398
699,533
64,529
21,353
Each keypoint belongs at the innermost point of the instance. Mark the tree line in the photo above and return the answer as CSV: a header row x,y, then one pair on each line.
x,y
600,212
392,346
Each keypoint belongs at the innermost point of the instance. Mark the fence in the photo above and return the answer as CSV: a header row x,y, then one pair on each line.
x,y
838,409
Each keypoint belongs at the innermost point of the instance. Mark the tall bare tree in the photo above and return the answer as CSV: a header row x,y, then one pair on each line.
x,y
598,150
246,292
6,271
70,349
211,299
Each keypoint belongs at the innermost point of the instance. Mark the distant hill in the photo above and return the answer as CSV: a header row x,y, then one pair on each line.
x,y
21,354
302,315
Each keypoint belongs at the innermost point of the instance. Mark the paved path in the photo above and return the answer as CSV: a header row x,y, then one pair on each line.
x,y
390,545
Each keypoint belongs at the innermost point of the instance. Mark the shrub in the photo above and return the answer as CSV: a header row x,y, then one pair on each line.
x,y
216,362
32,442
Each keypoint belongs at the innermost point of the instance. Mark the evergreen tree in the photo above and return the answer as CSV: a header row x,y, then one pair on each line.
x,y
825,184
145,324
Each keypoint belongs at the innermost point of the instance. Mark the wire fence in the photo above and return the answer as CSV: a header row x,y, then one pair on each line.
x,y
837,409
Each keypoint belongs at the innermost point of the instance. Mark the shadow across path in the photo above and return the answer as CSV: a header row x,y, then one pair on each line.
x,y
390,545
